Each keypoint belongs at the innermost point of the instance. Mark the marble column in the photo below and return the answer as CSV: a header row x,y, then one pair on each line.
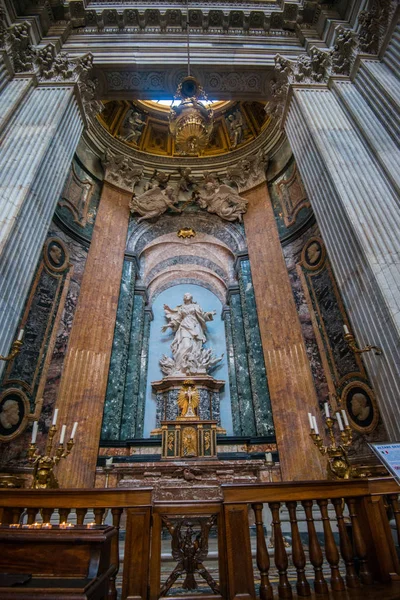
x,y
143,364
133,371
290,380
258,377
119,358
357,209
246,416
84,379
230,350
38,138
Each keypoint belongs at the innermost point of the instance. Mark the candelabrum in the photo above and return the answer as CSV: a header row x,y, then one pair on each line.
x,y
43,464
351,342
338,463
15,348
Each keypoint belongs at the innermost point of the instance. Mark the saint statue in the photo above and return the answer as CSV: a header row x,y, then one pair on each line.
x,y
188,322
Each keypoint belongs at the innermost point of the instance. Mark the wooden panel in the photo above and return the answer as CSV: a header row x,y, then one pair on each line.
x,y
76,498
84,379
240,566
137,554
290,380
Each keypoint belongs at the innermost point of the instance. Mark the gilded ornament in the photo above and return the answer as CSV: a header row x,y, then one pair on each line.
x,y
186,232
188,401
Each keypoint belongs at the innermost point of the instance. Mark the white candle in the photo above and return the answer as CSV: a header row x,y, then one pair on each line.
x,y
20,335
345,329
315,426
268,457
55,416
74,428
62,436
339,420
327,410
109,461
34,432
345,419
310,418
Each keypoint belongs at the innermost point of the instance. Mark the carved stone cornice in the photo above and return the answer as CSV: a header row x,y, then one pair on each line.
x,y
121,171
249,172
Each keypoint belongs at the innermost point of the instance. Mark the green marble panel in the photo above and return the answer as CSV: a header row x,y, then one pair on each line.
x,y
232,372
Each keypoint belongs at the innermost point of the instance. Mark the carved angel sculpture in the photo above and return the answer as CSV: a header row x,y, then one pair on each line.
x,y
190,549
235,126
154,202
221,199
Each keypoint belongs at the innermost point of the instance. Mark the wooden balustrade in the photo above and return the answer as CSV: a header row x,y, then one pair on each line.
x,y
136,504
334,527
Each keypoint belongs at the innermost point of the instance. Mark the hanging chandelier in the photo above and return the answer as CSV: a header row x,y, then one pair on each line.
x,y
190,122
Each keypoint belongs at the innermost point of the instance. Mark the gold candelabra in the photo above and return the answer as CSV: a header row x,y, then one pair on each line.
x,y
15,348
352,344
338,463
43,464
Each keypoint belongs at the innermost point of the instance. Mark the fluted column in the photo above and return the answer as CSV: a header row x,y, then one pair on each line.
x,y
357,210
84,379
290,380
37,146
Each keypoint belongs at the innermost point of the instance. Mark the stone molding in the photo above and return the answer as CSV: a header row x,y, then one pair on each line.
x,y
121,171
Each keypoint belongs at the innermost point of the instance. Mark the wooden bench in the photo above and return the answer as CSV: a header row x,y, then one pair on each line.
x,y
63,563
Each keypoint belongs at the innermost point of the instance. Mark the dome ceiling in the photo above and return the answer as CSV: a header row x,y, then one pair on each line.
x,y
143,125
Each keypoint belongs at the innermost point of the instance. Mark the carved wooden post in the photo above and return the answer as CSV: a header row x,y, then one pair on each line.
x,y
281,559
299,558
359,544
112,590
394,502
137,554
316,557
331,550
238,550
263,564
346,549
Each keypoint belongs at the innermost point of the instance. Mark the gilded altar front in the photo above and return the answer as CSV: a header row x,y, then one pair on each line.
x,y
194,439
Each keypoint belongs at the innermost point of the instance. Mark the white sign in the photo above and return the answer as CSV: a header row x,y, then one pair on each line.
x,y
389,455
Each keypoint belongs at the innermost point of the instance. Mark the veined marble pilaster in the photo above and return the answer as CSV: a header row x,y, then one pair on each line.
x,y
245,401
144,357
226,315
357,211
290,380
258,376
119,357
38,143
84,379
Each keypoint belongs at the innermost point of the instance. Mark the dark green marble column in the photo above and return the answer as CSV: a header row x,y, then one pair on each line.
x,y
226,315
255,357
119,358
245,401
132,379
148,317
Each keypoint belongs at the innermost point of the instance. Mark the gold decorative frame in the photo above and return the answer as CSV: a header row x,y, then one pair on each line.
x,y
27,416
370,395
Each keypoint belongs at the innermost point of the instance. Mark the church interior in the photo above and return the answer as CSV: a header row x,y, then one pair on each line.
x,y
199,299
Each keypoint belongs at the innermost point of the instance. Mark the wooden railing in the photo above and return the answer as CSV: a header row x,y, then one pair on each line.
x,y
352,512
371,544
136,504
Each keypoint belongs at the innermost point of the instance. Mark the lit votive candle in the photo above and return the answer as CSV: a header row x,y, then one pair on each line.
x,y
47,526
66,525
14,525
90,525
36,525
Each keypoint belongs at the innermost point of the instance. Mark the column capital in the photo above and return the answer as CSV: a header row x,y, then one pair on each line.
x,y
121,171
232,290
239,258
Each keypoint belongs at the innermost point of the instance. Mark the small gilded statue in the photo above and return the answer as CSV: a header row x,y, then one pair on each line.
x,y
188,401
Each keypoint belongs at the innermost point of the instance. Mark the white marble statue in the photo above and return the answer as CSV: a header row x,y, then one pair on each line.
x,y
154,202
188,322
221,199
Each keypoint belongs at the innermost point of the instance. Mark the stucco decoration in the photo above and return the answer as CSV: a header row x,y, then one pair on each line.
x,y
221,199
249,172
154,202
121,171
188,322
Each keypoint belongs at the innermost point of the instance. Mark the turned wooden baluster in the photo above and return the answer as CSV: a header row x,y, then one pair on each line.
x,y
112,589
263,564
346,549
64,512
298,556
394,503
359,544
7,516
32,512
281,560
314,548
98,515
46,514
80,515
16,514
331,550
